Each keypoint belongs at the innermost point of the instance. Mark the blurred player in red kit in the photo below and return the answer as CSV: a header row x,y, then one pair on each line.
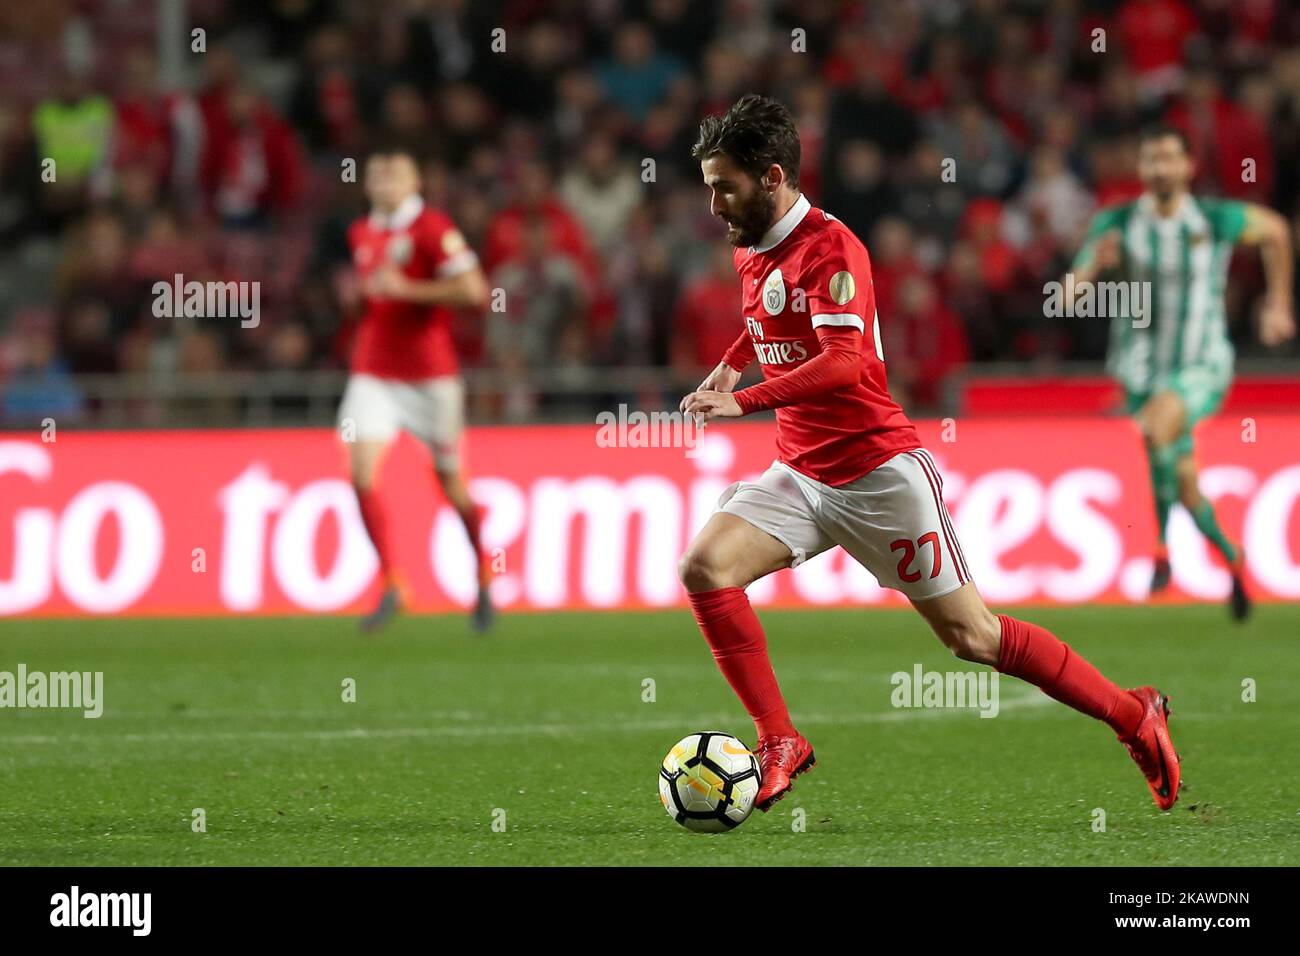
x,y
850,469
414,267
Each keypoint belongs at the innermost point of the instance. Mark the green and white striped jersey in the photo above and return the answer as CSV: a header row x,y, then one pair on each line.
x,y
1184,258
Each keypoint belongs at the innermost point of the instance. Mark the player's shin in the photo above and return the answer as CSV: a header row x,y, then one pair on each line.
x,y
1207,523
735,635
1163,463
471,516
375,519
1034,654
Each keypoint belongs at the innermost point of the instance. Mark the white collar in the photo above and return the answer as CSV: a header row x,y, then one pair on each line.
x,y
407,211
784,226
1147,205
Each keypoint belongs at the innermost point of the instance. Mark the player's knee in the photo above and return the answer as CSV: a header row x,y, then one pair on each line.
x,y
454,489
363,475
1156,436
699,570
363,464
977,640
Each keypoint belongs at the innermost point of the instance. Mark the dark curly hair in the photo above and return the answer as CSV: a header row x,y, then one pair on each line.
x,y
1161,130
755,133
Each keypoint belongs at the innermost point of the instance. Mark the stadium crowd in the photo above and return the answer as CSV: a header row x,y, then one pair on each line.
x,y
967,143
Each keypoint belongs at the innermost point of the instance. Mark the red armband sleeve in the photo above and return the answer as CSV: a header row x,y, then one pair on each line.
x,y
741,352
838,365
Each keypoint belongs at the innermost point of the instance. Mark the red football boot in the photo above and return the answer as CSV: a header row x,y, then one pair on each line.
x,y
1151,748
780,760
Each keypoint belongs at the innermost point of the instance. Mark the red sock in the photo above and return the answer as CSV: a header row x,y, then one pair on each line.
x,y
731,627
1036,655
473,522
376,522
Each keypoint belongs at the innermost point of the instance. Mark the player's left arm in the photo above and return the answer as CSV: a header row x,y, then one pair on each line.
x,y
457,281
467,289
1271,232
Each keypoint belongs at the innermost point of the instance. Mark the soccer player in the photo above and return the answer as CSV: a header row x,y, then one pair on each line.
x,y
1173,358
414,267
850,469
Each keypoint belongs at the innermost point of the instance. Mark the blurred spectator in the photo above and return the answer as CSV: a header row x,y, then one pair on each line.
x,y
94,266
72,132
925,343
966,293
87,341
506,237
861,193
1120,111
38,384
637,77
252,165
983,157
602,191
156,134
331,98
544,299
1230,145
644,288
682,28
893,261
1153,34
707,318
1054,199
866,109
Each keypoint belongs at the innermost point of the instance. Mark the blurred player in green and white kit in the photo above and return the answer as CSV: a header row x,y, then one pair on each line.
x,y
1173,355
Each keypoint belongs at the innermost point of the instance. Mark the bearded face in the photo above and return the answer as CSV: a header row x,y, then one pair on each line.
x,y
739,200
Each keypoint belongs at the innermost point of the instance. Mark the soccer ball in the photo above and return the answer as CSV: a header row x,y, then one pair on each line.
x,y
708,782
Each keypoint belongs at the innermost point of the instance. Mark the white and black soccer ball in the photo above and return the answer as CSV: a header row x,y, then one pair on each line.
x,y
708,782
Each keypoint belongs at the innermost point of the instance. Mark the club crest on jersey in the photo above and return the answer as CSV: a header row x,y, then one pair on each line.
x,y
774,293
399,249
842,288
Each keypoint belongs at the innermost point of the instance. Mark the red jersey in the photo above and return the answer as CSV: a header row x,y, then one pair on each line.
x,y
810,317
404,340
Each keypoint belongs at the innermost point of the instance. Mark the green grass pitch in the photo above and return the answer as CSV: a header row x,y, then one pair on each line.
x,y
545,721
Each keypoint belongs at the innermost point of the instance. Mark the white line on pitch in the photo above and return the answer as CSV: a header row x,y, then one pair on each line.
x,y
543,729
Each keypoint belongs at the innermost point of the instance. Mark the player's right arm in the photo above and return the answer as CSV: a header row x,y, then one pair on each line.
x,y
466,289
726,374
1101,250
724,377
